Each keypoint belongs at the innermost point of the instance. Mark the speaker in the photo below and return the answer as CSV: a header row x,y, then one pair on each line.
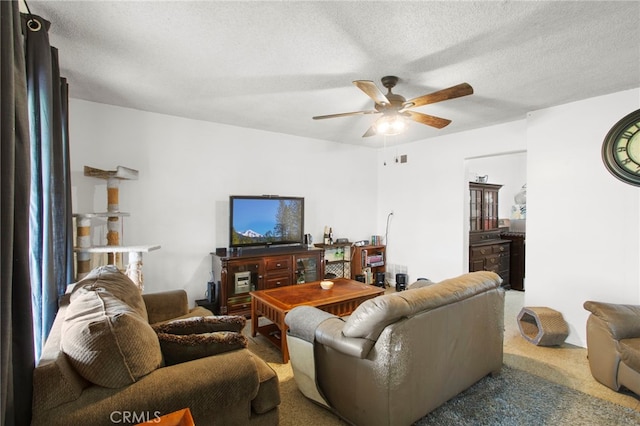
x,y
212,293
380,279
401,282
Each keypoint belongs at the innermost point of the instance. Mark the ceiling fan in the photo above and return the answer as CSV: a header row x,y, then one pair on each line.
x,y
395,108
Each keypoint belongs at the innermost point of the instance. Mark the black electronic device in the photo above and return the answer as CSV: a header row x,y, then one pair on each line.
x,y
265,220
379,279
401,282
212,294
243,282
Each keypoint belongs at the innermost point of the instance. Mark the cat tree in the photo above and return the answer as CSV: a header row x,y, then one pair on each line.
x,y
113,249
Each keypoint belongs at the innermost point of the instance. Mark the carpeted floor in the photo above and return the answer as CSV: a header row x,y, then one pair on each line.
x,y
565,365
515,397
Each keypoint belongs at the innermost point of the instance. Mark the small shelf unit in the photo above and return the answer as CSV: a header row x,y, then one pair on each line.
x,y
337,259
368,261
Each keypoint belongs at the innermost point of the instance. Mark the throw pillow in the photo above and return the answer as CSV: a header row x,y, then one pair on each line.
x,y
107,341
192,338
109,279
197,325
178,348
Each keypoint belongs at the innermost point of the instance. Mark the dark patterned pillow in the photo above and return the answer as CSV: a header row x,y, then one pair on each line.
x,y
197,325
192,338
177,348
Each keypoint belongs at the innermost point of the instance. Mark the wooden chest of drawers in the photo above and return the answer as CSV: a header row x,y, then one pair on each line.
x,y
491,255
278,272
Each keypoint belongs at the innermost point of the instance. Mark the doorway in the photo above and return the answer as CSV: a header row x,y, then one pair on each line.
x,y
510,171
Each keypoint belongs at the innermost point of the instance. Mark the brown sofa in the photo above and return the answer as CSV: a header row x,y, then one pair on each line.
x,y
400,355
613,344
103,364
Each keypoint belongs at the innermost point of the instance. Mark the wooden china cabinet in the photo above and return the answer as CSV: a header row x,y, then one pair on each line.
x,y
487,251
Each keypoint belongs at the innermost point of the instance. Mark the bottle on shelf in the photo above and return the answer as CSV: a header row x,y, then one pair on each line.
x,y
330,235
326,235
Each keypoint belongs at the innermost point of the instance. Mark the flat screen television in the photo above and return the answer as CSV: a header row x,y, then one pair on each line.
x,y
265,220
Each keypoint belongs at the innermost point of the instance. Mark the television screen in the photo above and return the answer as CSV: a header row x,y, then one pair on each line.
x,y
265,220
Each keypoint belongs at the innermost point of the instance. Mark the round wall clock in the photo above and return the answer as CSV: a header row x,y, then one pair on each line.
x,y
621,149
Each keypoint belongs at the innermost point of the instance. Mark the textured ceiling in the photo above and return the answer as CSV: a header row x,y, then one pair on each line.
x,y
273,65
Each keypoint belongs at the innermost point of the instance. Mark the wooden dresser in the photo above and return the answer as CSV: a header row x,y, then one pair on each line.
x,y
487,251
516,261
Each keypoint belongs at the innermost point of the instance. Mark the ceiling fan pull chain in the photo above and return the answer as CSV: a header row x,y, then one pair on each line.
x,y
384,150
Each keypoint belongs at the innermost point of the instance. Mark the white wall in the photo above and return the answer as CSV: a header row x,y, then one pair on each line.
x,y
189,168
582,223
429,194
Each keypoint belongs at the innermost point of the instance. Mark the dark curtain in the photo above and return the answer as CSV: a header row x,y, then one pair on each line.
x,y
16,346
50,209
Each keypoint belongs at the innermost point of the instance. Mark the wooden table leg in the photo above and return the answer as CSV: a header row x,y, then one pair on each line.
x,y
254,317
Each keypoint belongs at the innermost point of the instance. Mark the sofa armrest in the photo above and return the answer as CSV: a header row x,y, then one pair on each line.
x,y
198,311
304,320
312,324
268,396
218,389
166,305
606,326
329,333
622,321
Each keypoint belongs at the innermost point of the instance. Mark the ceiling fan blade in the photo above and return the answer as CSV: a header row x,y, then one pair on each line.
x,y
462,89
369,87
371,131
344,114
429,120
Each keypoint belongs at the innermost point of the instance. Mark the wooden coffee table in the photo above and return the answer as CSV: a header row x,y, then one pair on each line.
x,y
342,299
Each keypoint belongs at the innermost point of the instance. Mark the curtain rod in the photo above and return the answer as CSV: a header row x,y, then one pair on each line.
x,y
32,24
23,5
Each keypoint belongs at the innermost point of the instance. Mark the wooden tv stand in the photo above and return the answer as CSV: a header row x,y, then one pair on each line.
x,y
242,271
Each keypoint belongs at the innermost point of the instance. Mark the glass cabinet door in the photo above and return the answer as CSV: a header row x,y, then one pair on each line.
x,y
306,269
475,211
483,206
490,209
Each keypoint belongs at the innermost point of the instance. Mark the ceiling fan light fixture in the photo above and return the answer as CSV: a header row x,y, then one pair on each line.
x,y
396,110
390,125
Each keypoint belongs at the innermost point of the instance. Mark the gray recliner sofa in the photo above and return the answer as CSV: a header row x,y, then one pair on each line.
x,y
400,355
613,344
